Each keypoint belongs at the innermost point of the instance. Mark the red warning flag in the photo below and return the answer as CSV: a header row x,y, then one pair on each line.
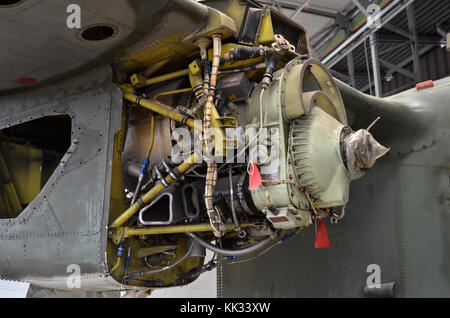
x,y
322,240
254,177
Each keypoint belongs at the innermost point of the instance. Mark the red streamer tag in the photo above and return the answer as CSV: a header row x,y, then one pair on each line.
x,y
254,177
322,240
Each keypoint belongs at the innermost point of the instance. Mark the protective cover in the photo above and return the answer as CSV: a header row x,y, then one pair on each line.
x,y
362,151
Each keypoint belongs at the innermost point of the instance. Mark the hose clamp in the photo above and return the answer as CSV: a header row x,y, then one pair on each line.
x,y
138,99
161,178
169,171
335,217
185,119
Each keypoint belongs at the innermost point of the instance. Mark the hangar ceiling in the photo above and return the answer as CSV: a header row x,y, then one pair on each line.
x,y
385,57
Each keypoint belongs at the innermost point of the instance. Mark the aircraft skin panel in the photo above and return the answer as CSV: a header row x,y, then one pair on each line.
x,y
40,45
399,221
67,221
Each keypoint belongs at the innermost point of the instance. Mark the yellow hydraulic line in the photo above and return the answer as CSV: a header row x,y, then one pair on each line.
x,y
140,81
164,110
153,192
117,265
152,135
178,91
204,227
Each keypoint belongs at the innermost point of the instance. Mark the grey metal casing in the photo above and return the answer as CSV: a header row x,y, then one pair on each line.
x,y
67,222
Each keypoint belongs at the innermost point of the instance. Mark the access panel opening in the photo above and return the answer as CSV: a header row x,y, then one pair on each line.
x,y
29,154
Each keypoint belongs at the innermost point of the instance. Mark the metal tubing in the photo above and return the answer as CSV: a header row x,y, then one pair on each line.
x,y
242,252
174,229
139,81
159,108
177,91
153,192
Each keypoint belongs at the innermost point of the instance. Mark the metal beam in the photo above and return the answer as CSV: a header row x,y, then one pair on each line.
x,y
375,65
293,6
407,61
360,7
421,39
387,14
351,69
275,5
340,75
414,43
299,9
397,30
326,38
322,31
319,12
392,48
397,68
346,78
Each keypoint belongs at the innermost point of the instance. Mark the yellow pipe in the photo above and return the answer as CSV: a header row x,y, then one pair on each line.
x,y
116,266
153,192
140,81
178,91
152,135
173,229
205,227
157,107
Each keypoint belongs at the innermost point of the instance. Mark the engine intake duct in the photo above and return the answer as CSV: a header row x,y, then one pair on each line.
x,y
165,209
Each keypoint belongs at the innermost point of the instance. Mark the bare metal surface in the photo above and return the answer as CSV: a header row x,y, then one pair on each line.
x,y
67,221
37,43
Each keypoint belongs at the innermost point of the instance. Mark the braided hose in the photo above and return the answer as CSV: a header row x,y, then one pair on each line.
x,y
211,174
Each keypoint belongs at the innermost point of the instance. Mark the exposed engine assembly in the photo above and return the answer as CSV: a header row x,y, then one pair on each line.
x,y
245,144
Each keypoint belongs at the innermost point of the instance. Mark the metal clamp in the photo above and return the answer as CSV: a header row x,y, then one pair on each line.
x,y
335,217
